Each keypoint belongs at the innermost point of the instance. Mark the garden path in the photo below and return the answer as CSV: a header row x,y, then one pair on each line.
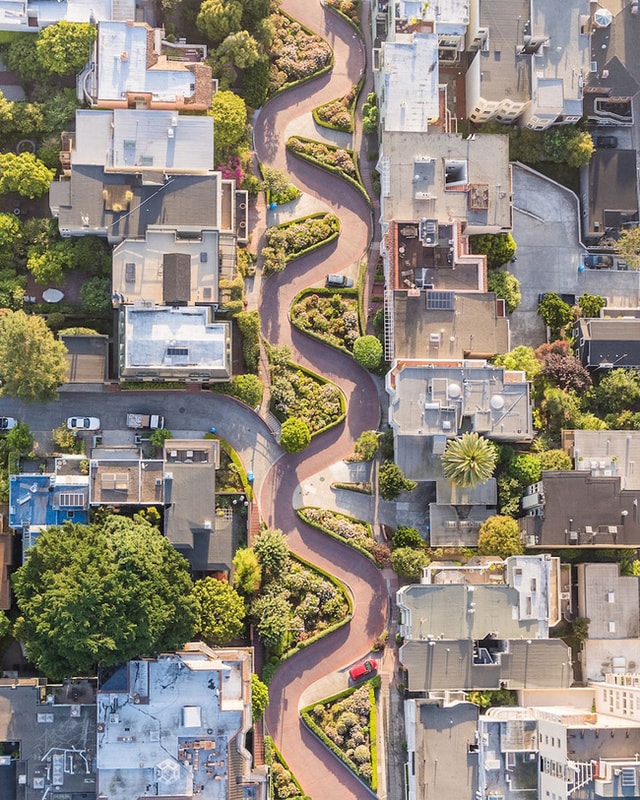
x,y
319,772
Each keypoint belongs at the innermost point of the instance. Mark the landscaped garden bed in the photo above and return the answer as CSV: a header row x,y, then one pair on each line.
x,y
329,315
354,532
348,9
338,114
284,783
346,724
298,392
297,237
338,160
297,53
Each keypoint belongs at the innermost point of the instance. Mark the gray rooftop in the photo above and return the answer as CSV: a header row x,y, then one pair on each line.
x,y
174,729
442,762
608,343
504,73
174,343
605,452
416,184
118,481
610,600
433,400
456,526
126,140
56,737
442,665
20,14
471,326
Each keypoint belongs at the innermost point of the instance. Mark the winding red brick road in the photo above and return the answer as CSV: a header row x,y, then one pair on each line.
x,y
320,773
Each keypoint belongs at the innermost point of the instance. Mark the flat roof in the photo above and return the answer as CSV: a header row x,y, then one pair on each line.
x,y
610,601
124,65
14,14
126,481
411,80
456,526
410,154
429,399
87,358
471,326
504,73
613,198
144,280
175,728
38,500
147,140
180,341
605,452
56,739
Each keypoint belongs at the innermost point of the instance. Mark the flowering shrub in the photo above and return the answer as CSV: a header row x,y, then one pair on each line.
x,y
346,724
316,602
291,239
232,168
296,393
337,114
333,318
295,53
327,155
349,8
351,530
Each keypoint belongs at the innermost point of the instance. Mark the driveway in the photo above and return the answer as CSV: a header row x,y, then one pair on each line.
x,y
546,228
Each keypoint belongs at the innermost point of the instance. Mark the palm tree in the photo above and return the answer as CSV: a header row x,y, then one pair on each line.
x,y
469,460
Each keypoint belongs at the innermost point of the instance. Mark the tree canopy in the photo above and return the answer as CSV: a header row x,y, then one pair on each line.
x,y
367,351
32,362
294,435
259,697
218,18
499,536
65,47
100,594
408,562
272,551
629,246
520,358
506,286
555,312
247,574
24,174
497,247
229,113
469,460
220,611
392,481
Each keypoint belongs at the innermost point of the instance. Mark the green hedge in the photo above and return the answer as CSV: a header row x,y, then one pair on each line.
x,y
358,184
311,248
314,728
325,292
329,532
352,106
353,487
313,75
270,745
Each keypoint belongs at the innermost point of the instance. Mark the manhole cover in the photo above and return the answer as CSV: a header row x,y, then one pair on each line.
x,y
181,409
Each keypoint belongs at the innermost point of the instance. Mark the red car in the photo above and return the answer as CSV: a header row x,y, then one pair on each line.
x,y
360,670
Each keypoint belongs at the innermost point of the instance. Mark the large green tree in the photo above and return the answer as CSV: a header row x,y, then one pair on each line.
x,y
32,362
259,697
500,536
367,351
272,551
65,47
218,18
555,312
520,358
497,247
220,611
408,562
294,435
506,286
272,615
100,594
629,246
229,113
392,481
24,174
247,574
469,460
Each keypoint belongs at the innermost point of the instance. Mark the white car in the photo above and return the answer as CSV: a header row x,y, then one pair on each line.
x,y
7,423
83,424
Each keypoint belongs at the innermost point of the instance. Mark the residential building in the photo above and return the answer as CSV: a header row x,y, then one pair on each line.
x,y
207,538
609,600
176,726
470,631
442,755
604,344
29,16
579,509
136,67
529,62
432,402
122,478
125,170
173,343
48,734
168,268
605,453
39,500
507,753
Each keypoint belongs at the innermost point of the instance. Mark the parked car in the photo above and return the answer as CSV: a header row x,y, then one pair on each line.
x,y
606,142
365,668
598,261
339,281
7,423
83,424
